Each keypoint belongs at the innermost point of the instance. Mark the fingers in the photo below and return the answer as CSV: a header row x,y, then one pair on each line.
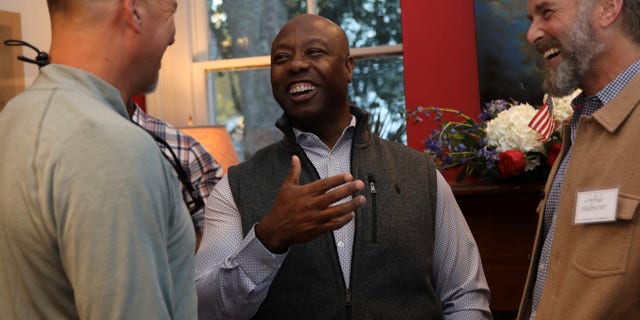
x,y
339,215
322,186
324,192
333,218
301,213
293,177
333,224
326,198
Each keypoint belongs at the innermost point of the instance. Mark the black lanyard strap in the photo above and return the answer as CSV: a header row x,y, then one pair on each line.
x,y
197,202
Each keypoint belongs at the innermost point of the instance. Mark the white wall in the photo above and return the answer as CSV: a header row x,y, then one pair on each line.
x,y
36,29
173,100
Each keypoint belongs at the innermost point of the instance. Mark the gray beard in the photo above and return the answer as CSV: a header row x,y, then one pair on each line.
x,y
577,54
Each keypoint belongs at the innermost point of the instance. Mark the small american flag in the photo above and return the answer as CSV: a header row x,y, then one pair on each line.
x,y
543,122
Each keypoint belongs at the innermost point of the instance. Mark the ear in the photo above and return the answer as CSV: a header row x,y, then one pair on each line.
x,y
132,14
610,12
349,64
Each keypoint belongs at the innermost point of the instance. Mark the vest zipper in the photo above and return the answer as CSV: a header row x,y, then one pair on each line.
x,y
348,303
374,213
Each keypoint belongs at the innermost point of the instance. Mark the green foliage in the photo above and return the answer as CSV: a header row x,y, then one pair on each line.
x,y
378,84
387,127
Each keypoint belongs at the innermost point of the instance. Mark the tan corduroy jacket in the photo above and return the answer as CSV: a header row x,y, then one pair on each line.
x,y
594,269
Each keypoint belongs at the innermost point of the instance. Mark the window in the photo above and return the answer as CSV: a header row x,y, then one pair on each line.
x,y
230,75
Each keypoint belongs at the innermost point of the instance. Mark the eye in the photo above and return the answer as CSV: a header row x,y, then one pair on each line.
x,y
546,14
315,52
280,58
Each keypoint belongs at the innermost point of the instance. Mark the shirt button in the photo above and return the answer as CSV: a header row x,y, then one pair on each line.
x,y
340,244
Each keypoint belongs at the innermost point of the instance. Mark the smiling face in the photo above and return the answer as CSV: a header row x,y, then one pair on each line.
x,y
563,33
310,72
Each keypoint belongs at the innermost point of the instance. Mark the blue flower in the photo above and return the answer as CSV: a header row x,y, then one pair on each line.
x,y
463,142
460,148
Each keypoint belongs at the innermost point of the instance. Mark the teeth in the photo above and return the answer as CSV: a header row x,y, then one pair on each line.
x,y
301,88
551,52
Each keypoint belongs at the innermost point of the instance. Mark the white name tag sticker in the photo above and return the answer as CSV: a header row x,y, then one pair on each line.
x,y
596,206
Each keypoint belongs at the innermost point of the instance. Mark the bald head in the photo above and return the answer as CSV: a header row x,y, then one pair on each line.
x,y
84,12
80,31
315,23
311,69
120,41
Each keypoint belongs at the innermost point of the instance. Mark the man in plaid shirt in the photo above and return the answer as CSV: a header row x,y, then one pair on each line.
x,y
199,166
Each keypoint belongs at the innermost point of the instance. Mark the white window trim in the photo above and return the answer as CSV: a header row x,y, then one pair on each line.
x,y
175,97
201,68
182,88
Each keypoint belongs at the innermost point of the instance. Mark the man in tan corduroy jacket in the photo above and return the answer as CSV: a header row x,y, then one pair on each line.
x,y
586,256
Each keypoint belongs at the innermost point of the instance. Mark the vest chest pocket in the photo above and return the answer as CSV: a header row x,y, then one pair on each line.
x,y
604,249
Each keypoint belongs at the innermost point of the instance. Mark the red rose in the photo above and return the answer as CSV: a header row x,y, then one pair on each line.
x,y
511,163
553,152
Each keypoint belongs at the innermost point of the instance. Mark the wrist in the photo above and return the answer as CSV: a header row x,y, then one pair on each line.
x,y
270,242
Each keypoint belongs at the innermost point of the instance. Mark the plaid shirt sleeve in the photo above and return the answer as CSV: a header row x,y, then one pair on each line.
x,y
204,172
199,165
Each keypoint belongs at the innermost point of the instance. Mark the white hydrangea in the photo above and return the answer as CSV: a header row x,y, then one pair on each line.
x,y
562,109
509,130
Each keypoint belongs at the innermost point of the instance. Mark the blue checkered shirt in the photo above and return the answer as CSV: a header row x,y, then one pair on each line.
x,y
583,106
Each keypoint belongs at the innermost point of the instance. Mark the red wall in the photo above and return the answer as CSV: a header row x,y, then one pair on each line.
x,y
141,100
440,60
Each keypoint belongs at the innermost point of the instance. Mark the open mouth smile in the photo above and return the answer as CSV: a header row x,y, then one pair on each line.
x,y
551,53
302,90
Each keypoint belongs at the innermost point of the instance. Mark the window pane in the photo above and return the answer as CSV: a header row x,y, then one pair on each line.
x,y
367,23
244,102
245,28
378,87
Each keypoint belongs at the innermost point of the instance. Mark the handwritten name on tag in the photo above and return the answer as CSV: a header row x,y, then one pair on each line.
x,y
596,206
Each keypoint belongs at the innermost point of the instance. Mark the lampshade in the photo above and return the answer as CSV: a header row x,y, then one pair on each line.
x,y
217,141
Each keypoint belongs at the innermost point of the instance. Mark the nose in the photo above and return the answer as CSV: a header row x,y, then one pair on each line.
x,y
535,33
299,63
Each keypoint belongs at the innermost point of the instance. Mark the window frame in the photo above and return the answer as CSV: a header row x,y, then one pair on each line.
x,y
181,97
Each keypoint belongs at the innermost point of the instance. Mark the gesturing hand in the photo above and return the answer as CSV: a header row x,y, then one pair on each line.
x,y
302,213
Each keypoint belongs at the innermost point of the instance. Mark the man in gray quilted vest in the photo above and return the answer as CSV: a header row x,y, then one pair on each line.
x,y
333,222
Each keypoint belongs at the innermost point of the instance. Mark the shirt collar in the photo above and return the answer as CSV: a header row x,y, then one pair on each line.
x,y
138,116
610,91
66,76
347,133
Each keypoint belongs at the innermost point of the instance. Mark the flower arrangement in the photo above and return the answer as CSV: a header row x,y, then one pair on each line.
x,y
500,147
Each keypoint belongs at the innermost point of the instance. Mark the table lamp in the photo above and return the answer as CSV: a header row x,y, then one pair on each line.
x,y
217,141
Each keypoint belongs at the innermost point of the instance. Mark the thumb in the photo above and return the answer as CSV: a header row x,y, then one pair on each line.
x,y
293,177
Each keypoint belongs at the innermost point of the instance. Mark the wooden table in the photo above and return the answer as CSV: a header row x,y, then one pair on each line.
x,y
503,221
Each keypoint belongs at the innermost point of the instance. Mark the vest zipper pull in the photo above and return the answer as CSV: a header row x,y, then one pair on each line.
x,y
374,210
